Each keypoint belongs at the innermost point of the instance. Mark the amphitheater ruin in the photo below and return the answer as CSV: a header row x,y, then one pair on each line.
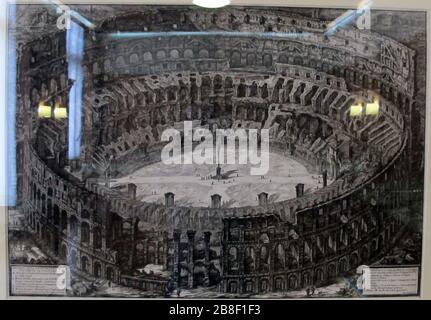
x,y
301,87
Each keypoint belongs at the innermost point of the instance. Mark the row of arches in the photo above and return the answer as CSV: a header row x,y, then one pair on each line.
x,y
294,281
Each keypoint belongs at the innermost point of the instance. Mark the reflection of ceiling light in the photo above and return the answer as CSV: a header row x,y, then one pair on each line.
x,y
211,3
372,109
60,112
44,111
356,110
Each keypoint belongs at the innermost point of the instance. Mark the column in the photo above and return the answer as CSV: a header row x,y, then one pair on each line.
x,y
177,267
190,257
207,238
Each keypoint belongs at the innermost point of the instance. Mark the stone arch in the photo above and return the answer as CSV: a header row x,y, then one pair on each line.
x,y
233,258
251,59
232,286
342,266
235,59
50,213
380,243
279,261
97,238
120,62
279,284
219,54
63,251
264,258
160,55
174,54
107,65
354,260
188,53
306,279
96,68
56,213
97,269
53,86
85,232
161,254
206,86
292,282
320,276
364,254
38,197
283,58
264,91
127,228
85,264
253,89
263,285
204,54
73,222
267,60
228,83
110,273
134,59
151,254
293,255
148,56
218,83
241,90
248,286
73,259
63,221
249,260
298,61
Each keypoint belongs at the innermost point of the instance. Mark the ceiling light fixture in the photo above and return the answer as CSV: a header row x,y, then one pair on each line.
x,y
211,3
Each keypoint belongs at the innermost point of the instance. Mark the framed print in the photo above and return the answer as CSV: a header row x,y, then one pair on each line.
x,y
176,151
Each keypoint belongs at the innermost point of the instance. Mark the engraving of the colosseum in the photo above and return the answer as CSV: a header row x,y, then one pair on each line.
x,y
343,189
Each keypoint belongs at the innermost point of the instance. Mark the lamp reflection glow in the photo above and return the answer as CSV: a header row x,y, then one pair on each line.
x,y
372,109
211,3
44,111
60,112
356,110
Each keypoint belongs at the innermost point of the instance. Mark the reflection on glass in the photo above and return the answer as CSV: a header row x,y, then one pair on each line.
x,y
75,53
372,109
44,111
60,112
356,110
11,182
